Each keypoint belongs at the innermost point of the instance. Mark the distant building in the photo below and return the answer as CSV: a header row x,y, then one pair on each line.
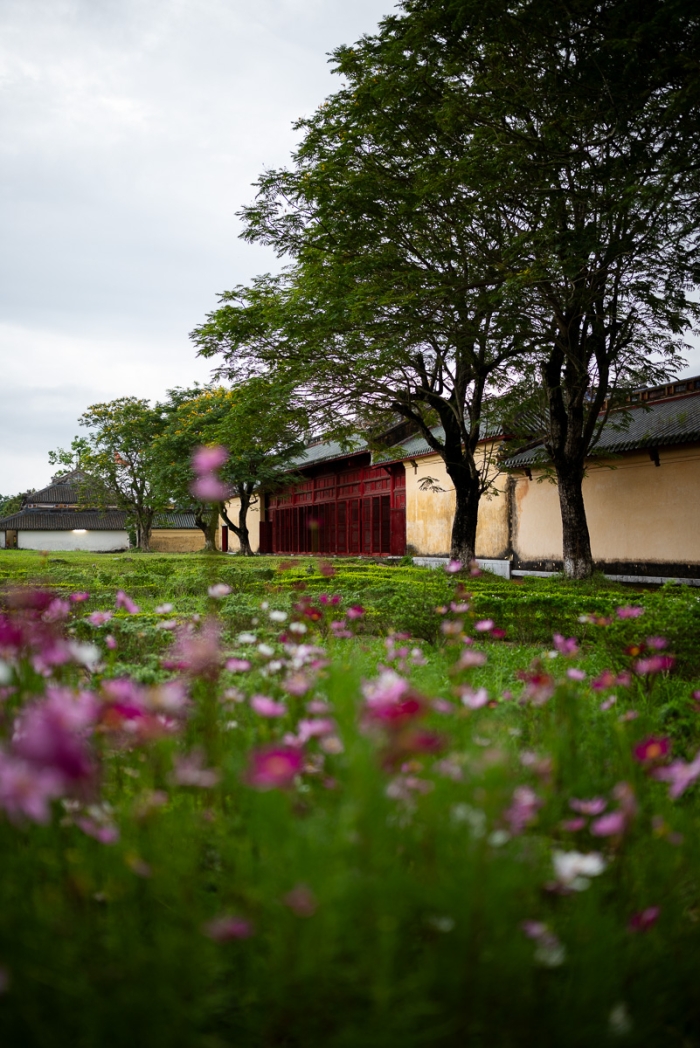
x,y
52,519
641,491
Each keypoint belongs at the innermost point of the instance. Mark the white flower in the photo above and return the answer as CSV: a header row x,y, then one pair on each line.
x,y
5,673
265,649
573,869
298,627
278,616
86,654
246,638
219,590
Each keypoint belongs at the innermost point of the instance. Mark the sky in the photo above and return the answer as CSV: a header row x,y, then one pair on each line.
x,y
132,132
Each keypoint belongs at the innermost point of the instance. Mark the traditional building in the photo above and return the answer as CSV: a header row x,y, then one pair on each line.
x,y
641,491
52,519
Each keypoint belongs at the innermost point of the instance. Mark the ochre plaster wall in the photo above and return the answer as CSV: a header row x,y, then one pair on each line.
x,y
637,511
253,526
429,514
177,540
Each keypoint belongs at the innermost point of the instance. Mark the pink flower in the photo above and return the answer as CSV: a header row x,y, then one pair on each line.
x,y
576,674
266,707
654,664
326,569
77,598
573,825
522,810
51,733
652,749
593,806
470,660
484,626
442,706
125,602
317,707
57,611
453,566
27,791
274,767
197,653
104,832
564,645
679,774
314,727
644,920
390,700
297,684
238,665
206,460
632,612
100,618
355,611
629,715
210,489
657,643
189,770
301,901
224,928
611,825
625,796
608,704
606,679
473,700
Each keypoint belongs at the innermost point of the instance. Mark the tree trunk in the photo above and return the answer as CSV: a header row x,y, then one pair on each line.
x,y
143,538
578,561
467,496
208,524
240,530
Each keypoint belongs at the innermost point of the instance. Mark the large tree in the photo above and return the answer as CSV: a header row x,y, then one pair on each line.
x,y
397,303
258,427
493,180
117,456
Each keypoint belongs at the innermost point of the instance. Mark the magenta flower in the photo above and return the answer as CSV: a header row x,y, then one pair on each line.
x,y
100,618
611,825
301,901
652,749
125,602
593,806
51,733
355,611
266,707
657,643
453,566
110,642
573,825
644,920
27,791
522,810
210,489
274,767
679,774
197,653
77,598
631,612
224,928
57,611
565,645
654,664
238,665
575,674
206,460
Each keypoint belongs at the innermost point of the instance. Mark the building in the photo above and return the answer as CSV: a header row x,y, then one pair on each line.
x,y
642,496
52,519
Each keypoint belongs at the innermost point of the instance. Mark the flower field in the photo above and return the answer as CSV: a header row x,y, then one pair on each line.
x,y
296,803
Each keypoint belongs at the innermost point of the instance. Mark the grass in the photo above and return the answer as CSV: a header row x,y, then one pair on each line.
x,y
383,892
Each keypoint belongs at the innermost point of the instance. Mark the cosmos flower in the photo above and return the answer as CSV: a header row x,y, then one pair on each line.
x,y
274,767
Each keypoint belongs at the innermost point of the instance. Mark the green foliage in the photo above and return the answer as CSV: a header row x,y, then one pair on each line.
x,y
10,504
413,933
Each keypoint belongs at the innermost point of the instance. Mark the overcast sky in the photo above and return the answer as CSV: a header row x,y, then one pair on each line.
x,y
131,133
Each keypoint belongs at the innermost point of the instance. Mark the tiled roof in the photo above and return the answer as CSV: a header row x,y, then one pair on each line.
x,y
651,425
328,449
64,520
64,490
88,519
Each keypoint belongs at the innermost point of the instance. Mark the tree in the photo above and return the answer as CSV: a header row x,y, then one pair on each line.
x,y
258,427
120,462
396,304
71,459
10,504
493,182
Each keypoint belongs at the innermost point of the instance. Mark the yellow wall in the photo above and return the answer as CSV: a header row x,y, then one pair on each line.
x,y
176,540
253,526
429,514
636,511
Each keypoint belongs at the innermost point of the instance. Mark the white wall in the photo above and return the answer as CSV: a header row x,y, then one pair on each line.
x,y
2,539
92,541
